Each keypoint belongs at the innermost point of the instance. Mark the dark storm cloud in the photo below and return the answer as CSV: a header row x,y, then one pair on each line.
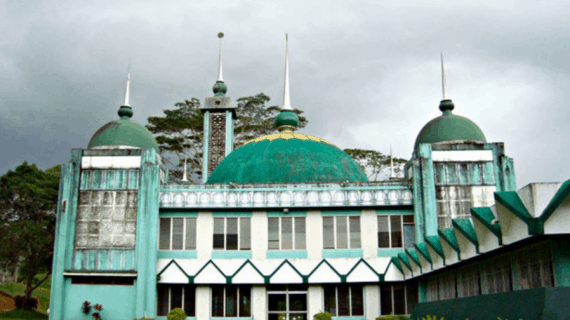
x,y
366,73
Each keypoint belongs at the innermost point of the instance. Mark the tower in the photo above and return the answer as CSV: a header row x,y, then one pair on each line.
x,y
219,118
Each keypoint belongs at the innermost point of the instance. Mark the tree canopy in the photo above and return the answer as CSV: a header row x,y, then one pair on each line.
x,y
28,200
180,132
374,162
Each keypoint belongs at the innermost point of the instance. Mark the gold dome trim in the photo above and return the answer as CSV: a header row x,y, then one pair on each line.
x,y
286,135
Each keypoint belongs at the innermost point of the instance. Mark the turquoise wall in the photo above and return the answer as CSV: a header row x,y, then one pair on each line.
x,y
561,262
118,301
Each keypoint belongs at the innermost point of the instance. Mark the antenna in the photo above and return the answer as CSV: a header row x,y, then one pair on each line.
x,y
443,84
220,78
392,176
286,96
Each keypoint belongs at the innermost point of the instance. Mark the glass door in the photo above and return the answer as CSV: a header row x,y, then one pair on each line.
x,y
287,302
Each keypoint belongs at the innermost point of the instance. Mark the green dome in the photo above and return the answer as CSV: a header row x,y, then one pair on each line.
x,y
123,132
287,157
448,127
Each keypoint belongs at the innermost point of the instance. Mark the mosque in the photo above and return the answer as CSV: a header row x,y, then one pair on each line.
x,y
287,226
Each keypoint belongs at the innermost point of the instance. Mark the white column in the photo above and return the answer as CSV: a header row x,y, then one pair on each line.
x,y
368,231
202,302
204,235
372,304
259,303
259,235
315,300
314,231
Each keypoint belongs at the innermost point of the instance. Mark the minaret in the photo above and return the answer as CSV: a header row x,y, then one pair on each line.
x,y
286,120
219,118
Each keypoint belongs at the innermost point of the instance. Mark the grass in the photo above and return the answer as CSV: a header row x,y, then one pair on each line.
x,y
23,315
41,293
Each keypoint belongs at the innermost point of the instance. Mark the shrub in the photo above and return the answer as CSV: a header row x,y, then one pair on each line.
x,y
86,307
323,315
176,314
393,317
23,303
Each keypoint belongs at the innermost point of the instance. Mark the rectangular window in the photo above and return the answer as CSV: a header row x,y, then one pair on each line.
x,y
176,296
534,266
396,231
231,301
286,233
344,300
232,233
341,232
398,298
497,275
177,234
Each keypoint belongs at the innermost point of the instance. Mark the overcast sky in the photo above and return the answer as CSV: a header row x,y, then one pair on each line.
x,y
366,73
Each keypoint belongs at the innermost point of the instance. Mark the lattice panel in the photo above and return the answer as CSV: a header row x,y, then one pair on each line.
x,y
106,219
217,141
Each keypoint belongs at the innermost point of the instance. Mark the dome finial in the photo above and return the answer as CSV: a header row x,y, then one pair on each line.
x,y
287,119
446,105
220,87
220,78
125,110
443,77
286,96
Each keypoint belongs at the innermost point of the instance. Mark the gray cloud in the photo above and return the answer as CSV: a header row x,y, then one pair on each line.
x,y
366,73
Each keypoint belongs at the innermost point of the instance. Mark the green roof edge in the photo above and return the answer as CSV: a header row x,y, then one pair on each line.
x,y
485,216
558,198
448,235
464,226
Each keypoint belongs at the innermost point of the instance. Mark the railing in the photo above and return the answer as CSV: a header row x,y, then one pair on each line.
x,y
284,196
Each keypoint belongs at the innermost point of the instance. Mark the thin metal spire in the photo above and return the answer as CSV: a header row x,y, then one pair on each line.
x,y
220,78
392,176
185,175
443,84
286,96
128,86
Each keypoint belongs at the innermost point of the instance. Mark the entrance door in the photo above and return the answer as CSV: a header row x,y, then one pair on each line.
x,y
287,302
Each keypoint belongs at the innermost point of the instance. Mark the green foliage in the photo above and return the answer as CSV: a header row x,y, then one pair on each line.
x,y
23,314
323,315
41,293
180,131
28,198
373,162
393,317
176,314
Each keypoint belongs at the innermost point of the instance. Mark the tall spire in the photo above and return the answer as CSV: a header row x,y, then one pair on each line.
x,y
443,84
287,119
446,105
220,78
286,96
392,176
220,87
125,111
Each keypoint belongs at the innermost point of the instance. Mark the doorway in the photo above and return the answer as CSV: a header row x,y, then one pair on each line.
x,y
287,302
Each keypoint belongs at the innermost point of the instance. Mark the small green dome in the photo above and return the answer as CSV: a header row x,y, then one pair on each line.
x,y
123,132
287,119
287,157
448,127
220,89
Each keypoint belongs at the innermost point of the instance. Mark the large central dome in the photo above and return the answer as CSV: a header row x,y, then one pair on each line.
x,y
287,157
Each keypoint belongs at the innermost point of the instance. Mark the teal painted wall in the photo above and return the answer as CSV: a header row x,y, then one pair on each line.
x,y
118,301
428,190
535,304
561,262
65,231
